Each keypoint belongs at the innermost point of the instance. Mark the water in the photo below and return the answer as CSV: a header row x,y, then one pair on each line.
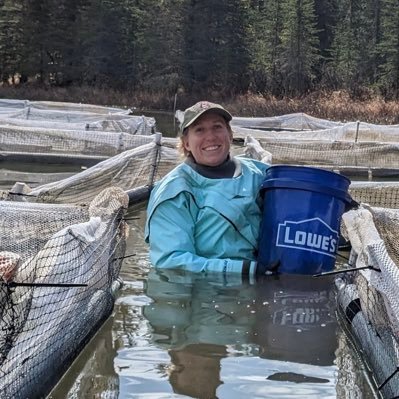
x,y
176,335
165,121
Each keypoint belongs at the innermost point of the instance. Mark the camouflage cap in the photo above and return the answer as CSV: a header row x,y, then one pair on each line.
x,y
193,113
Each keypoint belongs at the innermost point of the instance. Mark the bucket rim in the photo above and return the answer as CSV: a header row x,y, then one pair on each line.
x,y
305,167
302,185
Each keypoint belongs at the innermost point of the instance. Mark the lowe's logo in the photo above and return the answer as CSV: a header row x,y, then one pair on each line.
x,y
313,235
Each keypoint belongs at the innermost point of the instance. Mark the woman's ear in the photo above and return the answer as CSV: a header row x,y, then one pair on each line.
x,y
186,144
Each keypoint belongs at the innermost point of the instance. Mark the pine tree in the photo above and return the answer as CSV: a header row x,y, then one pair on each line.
x,y
159,46
300,46
217,55
101,38
388,49
266,48
10,39
353,45
36,60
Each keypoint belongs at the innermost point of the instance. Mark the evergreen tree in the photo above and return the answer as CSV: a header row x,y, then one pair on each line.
x,y
376,37
326,12
266,39
353,45
10,39
284,47
101,38
300,43
64,51
216,50
36,59
159,46
388,49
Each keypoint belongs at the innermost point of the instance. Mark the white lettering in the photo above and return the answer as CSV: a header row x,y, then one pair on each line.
x,y
314,240
300,237
333,245
286,237
324,244
309,240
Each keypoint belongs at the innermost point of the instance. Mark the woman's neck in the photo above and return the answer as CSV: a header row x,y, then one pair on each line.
x,y
224,170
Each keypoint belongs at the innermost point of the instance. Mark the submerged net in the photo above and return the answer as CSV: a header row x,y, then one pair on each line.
x,y
59,268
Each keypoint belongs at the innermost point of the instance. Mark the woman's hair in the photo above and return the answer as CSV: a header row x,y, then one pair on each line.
x,y
180,146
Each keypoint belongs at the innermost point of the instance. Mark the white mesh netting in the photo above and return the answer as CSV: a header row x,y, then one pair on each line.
x,y
66,132
374,301
72,116
132,169
59,268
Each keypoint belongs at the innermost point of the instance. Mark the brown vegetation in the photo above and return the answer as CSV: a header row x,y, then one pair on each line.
x,y
336,105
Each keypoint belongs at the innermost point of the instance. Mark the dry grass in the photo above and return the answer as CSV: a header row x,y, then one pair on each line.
x,y
336,105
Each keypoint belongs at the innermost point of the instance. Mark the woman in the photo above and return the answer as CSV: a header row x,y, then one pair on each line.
x,y
204,215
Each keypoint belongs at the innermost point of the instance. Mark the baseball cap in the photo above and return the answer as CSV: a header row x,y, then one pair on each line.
x,y
194,112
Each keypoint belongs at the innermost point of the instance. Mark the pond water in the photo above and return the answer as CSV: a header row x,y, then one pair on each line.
x,y
177,335
165,121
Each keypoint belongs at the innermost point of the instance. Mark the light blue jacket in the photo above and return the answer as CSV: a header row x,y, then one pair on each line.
x,y
201,224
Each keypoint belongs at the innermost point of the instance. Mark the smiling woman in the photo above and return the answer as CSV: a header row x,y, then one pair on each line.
x,y
205,214
208,140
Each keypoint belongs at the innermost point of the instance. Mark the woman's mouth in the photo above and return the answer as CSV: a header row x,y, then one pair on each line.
x,y
211,148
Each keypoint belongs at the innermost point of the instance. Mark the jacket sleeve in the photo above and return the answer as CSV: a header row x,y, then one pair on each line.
x,y
171,238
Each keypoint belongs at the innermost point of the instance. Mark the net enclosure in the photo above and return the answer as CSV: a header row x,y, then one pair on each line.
x,y
59,268
134,171
73,116
356,149
62,242
66,132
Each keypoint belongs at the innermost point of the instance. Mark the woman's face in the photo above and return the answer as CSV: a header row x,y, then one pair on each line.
x,y
208,139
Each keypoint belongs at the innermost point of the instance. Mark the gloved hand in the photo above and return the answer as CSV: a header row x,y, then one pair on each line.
x,y
253,268
265,270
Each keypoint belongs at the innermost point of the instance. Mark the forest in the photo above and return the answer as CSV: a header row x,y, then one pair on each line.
x,y
268,47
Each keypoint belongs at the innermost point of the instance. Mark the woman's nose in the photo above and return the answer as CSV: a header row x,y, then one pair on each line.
x,y
209,133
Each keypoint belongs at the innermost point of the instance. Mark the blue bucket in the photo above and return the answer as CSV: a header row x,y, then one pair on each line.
x,y
301,219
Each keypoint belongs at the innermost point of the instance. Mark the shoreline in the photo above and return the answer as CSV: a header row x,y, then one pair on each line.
x,y
335,106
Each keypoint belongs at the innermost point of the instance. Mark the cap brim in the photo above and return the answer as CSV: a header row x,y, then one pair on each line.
x,y
222,112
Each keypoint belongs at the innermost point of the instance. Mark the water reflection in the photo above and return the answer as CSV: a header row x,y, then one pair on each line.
x,y
93,375
205,321
166,122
